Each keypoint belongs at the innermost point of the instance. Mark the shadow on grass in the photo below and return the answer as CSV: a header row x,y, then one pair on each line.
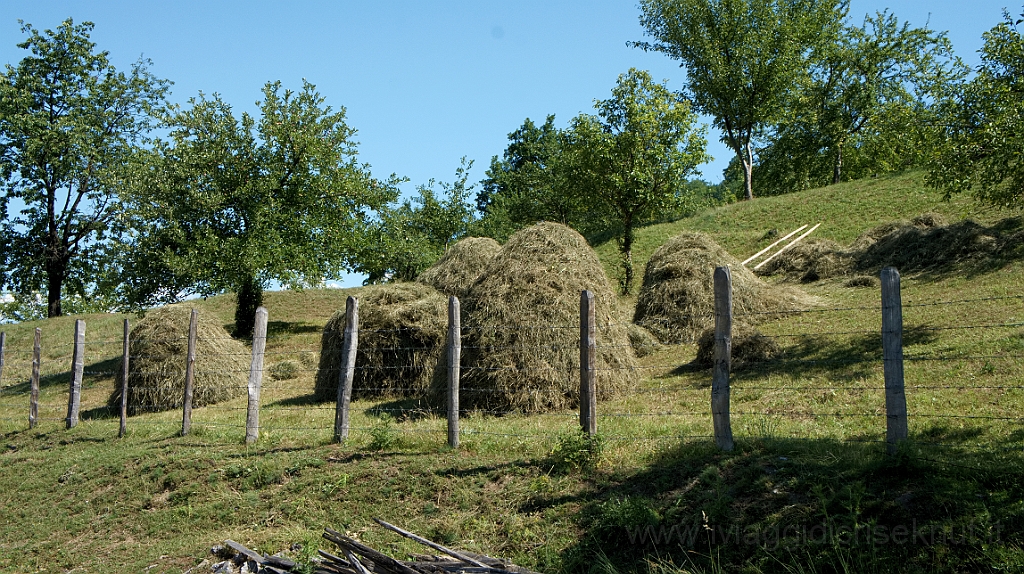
x,y
778,505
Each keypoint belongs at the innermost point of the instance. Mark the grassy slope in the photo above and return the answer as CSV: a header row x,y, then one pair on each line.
x,y
85,499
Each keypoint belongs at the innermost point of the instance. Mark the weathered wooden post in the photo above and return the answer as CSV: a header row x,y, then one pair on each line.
x,y
259,345
33,401
3,344
723,359
349,345
190,373
124,383
588,362
77,372
892,351
454,358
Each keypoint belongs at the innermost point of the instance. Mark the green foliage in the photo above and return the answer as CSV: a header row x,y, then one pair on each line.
x,y
229,204
69,121
411,236
383,434
634,156
742,57
983,127
577,450
865,107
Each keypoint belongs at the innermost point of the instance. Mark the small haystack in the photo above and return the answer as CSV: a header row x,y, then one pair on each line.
x,y
643,342
924,243
521,327
677,299
749,346
460,266
402,330
158,347
810,261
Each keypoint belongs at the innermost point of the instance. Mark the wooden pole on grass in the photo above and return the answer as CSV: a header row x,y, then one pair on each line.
x,y
259,346
588,363
723,359
124,383
3,344
190,374
892,351
77,372
33,404
349,345
454,358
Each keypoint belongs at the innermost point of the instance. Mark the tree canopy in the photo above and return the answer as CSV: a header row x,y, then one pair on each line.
x,y
983,124
742,57
69,122
231,203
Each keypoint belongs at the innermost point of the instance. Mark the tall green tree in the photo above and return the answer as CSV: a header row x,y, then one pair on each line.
x,y
983,124
742,58
231,203
69,121
865,107
633,157
412,235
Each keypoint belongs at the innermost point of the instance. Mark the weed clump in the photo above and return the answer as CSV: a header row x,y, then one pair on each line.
x,y
677,299
158,347
402,329
521,327
460,266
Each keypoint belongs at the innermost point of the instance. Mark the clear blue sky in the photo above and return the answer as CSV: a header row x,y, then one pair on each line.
x,y
424,83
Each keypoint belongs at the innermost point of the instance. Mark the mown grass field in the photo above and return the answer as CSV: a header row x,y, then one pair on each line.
x,y
809,487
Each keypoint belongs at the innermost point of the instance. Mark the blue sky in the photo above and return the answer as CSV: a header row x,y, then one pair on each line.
x,y
424,83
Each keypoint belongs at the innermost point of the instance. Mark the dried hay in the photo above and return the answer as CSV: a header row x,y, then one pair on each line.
x,y
460,266
521,327
643,342
402,330
810,261
158,347
918,246
676,301
862,281
749,346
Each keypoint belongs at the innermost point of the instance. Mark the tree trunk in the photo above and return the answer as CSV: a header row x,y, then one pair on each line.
x,y
837,168
56,270
250,298
626,248
748,172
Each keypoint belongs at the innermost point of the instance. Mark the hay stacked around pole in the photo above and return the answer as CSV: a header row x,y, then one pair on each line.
x,y
676,301
402,330
460,266
749,347
521,327
158,350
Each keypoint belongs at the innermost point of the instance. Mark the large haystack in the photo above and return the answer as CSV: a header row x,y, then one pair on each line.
x,y
158,347
460,266
402,330
677,300
521,327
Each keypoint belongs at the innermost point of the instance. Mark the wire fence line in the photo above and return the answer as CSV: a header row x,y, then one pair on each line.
x,y
286,381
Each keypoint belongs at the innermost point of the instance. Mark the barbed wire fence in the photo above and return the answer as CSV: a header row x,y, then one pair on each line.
x,y
867,365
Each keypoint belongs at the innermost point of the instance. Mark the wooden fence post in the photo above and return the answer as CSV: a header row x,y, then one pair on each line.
x,y
124,384
259,346
77,372
186,410
3,345
723,359
588,361
33,405
349,345
454,358
892,351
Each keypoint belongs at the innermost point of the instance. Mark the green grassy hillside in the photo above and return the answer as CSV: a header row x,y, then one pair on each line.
x,y
809,487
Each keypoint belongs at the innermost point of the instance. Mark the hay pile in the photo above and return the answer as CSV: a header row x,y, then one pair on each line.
x,y
677,299
749,346
158,347
402,330
521,327
810,261
460,266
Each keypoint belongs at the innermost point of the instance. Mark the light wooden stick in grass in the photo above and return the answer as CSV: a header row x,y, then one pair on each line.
x,y
784,249
767,249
